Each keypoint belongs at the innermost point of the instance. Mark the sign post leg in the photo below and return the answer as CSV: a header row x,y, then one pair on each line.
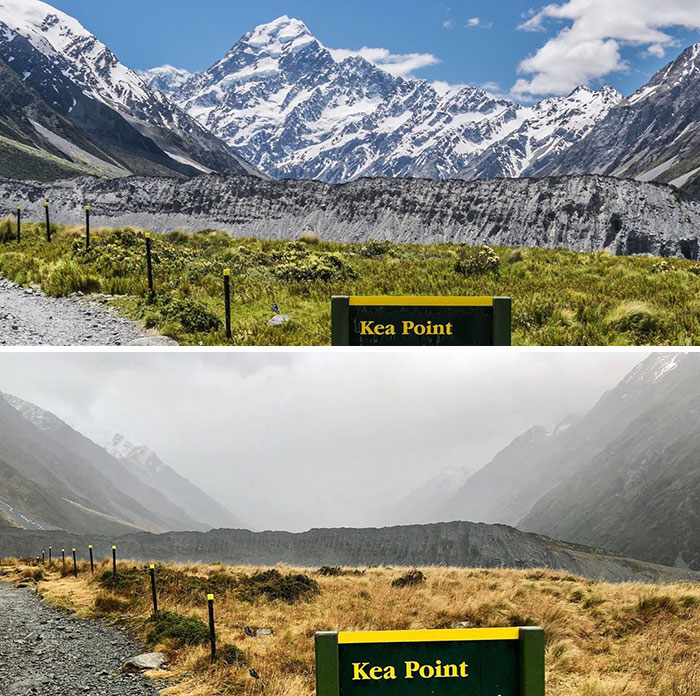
x,y
327,677
340,321
531,661
502,310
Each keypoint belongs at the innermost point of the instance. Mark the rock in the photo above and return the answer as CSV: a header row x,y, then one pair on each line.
x,y
463,624
32,637
263,632
153,341
279,319
142,663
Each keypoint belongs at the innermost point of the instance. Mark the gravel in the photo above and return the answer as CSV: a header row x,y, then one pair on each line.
x,y
30,318
44,652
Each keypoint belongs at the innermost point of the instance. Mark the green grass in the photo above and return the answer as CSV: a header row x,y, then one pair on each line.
x,y
559,297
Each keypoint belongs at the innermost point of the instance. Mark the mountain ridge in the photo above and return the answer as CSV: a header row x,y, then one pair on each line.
x,y
295,110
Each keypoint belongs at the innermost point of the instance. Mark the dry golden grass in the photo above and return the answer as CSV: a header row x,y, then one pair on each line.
x,y
603,639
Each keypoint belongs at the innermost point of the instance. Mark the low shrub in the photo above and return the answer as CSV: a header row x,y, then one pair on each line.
x,y
68,277
410,579
108,603
272,585
231,655
185,630
310,237
477,260
638,318
189,313
374,249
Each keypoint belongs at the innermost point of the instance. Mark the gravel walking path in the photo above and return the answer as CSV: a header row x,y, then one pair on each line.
x,y
45,652
30,318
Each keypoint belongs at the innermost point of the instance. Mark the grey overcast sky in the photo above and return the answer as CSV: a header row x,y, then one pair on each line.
x,y
299,440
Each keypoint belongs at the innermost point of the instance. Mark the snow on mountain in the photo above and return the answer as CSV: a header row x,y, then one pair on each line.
x,y
38,416
283,100
166,78
547,129
148,462
651,136
147,466
54,53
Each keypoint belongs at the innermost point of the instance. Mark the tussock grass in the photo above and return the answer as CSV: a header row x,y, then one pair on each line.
x,y
560,297
602,639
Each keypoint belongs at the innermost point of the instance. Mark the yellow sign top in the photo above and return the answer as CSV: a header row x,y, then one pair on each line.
x,y
90,546
412,301
114,548
210,596
428,635
227,271
152,565
148,235
87,207
46,204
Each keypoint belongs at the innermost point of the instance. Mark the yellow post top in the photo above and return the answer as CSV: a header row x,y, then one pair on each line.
x,y
62,550
46,204
227,271
87,207
50,547
148,235
152,566
73,549
19,207
114,548
90,546
210,597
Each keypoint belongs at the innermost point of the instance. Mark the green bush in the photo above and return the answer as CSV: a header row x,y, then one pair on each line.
x,y
374,249
186,630
69,277
190,314
308,267
477,260
638,318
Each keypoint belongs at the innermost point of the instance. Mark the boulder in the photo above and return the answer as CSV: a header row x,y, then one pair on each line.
x,y
147,661
279,319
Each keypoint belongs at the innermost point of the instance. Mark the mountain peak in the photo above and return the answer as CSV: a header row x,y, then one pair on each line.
x,y
281,35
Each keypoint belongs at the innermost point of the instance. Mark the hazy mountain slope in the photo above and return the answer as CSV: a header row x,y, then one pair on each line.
x,y
147,466
297,109
536,463
653,135
165,512
641,494
80,78
425,503
460,544
52,486
579,213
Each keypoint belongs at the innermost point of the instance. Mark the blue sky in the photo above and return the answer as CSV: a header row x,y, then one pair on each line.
x,y
537,48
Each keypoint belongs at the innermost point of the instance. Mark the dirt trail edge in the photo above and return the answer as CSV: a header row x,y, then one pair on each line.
x,y
30,318
45,652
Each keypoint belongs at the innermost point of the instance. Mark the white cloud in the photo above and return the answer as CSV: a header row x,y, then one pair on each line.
x,y
398,64
589,46
448,24
473,22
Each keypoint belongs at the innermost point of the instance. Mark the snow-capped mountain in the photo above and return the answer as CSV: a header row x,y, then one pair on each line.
x,y
148,467
547,129
295,110
651,136
81,79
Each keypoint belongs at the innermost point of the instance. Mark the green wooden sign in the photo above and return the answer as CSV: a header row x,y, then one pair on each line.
x,y
459,662
421,321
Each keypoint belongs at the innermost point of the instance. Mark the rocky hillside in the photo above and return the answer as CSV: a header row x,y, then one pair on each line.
x,y
297,109
129,125
624,476
460,544
579,213
53,477
652,136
